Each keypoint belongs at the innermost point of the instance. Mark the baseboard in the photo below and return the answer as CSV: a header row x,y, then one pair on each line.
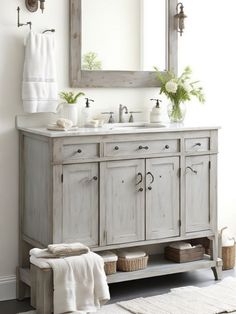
x,y
7,288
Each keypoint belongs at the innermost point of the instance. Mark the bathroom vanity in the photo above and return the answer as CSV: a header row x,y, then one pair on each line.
x,y
120,187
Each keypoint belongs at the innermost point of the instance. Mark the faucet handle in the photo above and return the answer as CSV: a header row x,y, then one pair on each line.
x,y
131,118
111,119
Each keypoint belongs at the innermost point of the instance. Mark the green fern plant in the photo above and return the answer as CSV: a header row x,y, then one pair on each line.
x,y
70,97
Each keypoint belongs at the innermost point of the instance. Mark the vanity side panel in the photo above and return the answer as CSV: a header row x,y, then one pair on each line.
x,y
37,220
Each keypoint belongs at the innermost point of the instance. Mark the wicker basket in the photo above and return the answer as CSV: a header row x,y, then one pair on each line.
x,y
132,264
228,256
110,267
186,255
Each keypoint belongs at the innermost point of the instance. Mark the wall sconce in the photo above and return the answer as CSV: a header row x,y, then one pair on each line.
x,y
32,5
180,16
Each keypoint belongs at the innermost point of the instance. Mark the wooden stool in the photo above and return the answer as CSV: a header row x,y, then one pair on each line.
x,y
41,289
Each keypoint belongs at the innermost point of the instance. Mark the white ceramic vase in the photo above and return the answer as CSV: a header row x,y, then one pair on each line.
x,y
69,111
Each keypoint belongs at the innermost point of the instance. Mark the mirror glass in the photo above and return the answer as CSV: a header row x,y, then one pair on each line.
x,y
123,35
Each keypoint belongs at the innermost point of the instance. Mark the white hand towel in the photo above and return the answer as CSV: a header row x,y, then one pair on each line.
x,y
79,283
39,87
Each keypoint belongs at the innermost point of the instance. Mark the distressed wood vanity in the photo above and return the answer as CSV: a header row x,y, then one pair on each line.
x,y
112,189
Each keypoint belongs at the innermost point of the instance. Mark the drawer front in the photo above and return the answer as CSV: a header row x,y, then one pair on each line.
x,y
197,144
80,151
120,149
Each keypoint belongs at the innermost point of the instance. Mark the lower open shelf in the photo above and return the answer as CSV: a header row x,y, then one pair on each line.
x,y
158,266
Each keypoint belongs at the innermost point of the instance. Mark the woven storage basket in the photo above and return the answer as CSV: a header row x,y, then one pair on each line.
x,y
110,267
132,264
186,255
228,256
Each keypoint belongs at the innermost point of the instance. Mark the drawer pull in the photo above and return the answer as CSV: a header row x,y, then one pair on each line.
x,y
79,151
167,147
95,178
117,148
143,147
198,144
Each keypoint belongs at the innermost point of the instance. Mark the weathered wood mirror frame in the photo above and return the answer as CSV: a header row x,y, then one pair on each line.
x,y
82,78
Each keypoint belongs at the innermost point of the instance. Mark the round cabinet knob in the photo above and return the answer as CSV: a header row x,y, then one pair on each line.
x,y
95,178
149,188
167,147
117,148
140,190
79,151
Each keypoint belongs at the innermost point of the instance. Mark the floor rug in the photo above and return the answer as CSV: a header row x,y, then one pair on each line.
x,y
214,299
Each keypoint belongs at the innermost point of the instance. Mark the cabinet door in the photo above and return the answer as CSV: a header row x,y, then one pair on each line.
x,y
162,198
122,201
80,203
198,190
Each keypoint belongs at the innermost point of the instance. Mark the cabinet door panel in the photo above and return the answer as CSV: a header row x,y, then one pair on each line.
x,y
162,201
122,204
80,203
197,183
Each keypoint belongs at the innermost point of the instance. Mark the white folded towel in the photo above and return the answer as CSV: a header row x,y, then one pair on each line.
x,y
131,254
39,87
108,256
181,245
65,249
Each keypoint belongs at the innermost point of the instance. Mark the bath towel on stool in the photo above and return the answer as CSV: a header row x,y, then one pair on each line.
x,y
39,86
80,283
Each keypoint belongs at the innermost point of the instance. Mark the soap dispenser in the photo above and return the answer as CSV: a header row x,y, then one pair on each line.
x,y
156,113
86,112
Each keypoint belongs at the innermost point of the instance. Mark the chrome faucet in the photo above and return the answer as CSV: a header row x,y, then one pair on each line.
x,y
121,110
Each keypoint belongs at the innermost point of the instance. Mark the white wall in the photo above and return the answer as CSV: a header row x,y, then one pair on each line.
x,y
213,60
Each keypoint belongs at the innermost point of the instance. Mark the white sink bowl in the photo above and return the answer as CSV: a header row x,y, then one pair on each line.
x,y
131,126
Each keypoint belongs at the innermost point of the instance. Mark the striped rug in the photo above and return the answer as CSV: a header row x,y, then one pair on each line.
x,y
215,299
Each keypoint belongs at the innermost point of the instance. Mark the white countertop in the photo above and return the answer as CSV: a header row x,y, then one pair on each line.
x,y
127,128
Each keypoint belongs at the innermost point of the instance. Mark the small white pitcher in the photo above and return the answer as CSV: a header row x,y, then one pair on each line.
x,y
68,111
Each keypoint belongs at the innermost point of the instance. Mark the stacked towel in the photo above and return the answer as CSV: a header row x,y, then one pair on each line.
x,y
60,250
39,87
65,249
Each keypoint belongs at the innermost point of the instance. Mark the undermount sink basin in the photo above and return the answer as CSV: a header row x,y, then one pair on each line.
x,y
127,127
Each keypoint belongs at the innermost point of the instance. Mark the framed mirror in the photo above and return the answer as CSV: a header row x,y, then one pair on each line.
x,y
117,43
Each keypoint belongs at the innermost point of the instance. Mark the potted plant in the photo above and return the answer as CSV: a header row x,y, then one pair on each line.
x,y
69,109
179,90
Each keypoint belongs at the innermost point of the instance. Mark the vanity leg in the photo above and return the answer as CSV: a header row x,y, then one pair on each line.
x,y
217,270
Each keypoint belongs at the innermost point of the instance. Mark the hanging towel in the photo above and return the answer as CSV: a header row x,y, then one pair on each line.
x,y
39,87
79,283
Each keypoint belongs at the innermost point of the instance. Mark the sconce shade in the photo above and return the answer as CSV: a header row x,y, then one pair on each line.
x,y
31,5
